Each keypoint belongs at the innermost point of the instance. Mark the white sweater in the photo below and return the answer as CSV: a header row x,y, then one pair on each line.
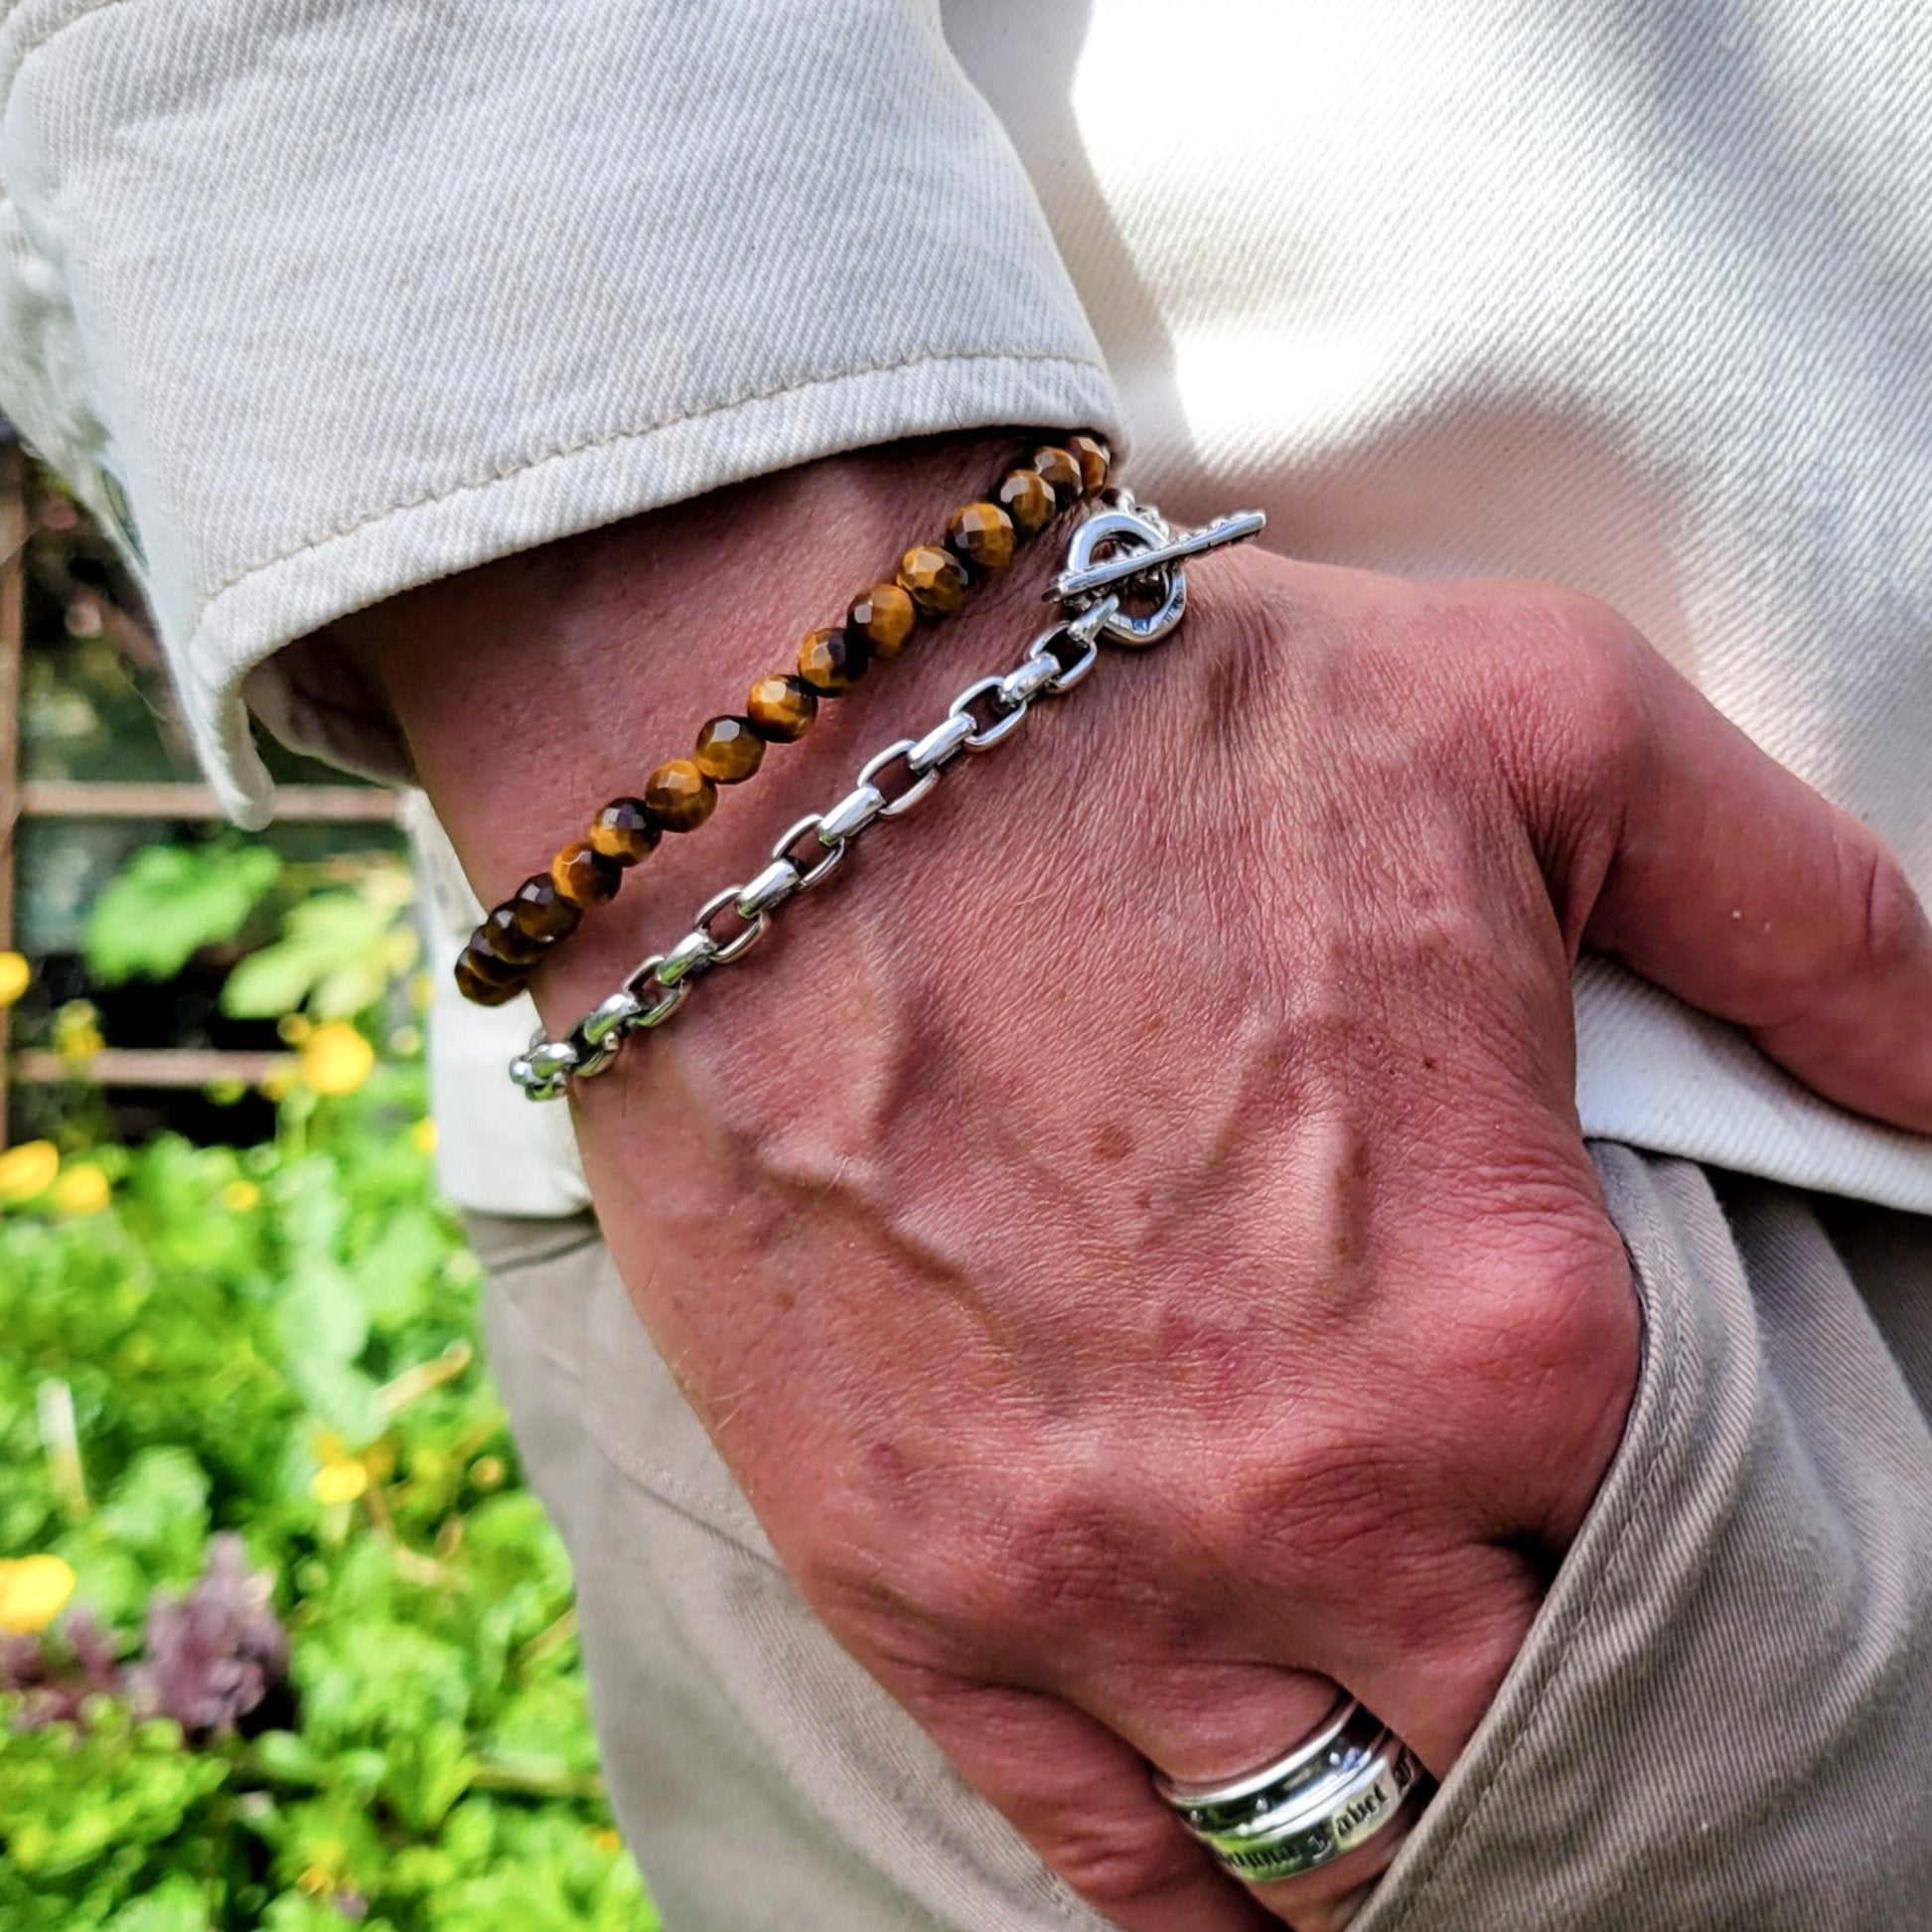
x,y
316,299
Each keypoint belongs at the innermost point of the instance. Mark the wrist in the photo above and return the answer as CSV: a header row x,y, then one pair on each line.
x,y
586,664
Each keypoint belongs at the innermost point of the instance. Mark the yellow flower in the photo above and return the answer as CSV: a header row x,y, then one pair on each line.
x,y
239,1196
487,1472
16,976
81,1189
339,1482
336,1059
606,1839
294,1028
422,1136
76,1031
32,1592
28,1170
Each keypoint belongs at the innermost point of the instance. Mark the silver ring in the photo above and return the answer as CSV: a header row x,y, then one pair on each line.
x,y
1342,1785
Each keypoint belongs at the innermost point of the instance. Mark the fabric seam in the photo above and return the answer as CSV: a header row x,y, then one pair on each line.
x,y
525,464
652,1479
1507,1746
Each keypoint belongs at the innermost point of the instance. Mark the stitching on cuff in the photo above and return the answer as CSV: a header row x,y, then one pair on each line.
x,y
535,459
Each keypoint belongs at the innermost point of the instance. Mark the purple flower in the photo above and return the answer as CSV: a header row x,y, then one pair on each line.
x,y
217,1653
57,1676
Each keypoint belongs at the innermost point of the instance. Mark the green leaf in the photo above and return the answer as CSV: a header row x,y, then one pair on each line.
x,y
321,1315
337,954
170,901
158,1510
178,1904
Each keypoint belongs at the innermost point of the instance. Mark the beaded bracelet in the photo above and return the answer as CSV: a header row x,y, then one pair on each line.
x,y
932,581
1124,548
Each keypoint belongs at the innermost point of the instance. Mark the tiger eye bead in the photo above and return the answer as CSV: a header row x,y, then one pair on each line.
x,y
678,797
1060,473
833,660
502,939
982,536
540,910
934,579
584,876
624,832
884,616
1094,460
1025,498
487,964
474,983
780,708
728,751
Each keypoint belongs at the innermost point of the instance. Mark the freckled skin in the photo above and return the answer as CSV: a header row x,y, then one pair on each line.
x,y
1131,1238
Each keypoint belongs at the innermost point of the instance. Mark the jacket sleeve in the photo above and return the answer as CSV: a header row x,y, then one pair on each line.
x,y
313,300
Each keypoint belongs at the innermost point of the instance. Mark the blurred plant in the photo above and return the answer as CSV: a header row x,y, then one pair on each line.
x,y
27,1171
285,1643
76,1030
170,901
16,976
336,1059
338,955
338,949
33,1592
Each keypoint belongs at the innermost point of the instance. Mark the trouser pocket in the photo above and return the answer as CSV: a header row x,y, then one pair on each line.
x,y
1719,1721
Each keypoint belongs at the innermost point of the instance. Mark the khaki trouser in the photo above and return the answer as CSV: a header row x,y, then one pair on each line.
x,y
1721,1721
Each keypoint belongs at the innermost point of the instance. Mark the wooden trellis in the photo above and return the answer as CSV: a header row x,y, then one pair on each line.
x,y
153,803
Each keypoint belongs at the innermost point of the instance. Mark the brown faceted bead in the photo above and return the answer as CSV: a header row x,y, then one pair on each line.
x,y
474,983
1094,460
884,616
540,910
833,660
1061,473
1025,498
982,536
782,708
729,750
501,938
584,876
624,832
487,964
934,579
678,797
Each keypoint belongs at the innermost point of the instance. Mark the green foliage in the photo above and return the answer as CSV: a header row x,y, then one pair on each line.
x,y
279,1343
337,953
170,901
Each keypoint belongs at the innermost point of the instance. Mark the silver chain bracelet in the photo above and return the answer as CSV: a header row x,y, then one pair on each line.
x,y
1121,549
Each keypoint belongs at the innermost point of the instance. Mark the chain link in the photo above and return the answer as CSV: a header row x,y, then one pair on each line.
x,y
1125,548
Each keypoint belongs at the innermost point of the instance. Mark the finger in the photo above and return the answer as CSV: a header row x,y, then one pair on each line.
x,y
1740,889
1426,1648
1206,1725
1085,1803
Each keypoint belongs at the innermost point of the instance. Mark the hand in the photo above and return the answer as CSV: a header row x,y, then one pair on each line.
x,y
1133,1245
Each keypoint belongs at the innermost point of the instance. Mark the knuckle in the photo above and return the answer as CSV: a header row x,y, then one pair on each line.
x,y
1890,920
1007,1578
1565,686
1591,683
1338,1506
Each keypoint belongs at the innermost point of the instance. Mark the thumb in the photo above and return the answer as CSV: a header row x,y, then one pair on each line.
x,y
1734,885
